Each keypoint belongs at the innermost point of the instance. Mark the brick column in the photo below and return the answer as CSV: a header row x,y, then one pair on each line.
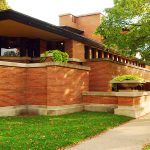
x,y
96,54
115,57
90,53
75,49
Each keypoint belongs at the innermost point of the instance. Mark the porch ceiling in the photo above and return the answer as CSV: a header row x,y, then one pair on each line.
x,y
15,29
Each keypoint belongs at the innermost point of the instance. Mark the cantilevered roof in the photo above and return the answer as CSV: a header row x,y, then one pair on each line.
x,y
50,29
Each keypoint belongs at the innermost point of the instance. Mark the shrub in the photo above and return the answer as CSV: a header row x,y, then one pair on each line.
x,y
65,56
127,77
57,56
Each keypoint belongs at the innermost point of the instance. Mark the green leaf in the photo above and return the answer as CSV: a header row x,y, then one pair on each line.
x,y
126,27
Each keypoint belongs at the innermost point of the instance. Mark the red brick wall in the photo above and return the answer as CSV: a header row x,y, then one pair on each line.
x,y
100,99
69,47
103,71
87,23
12,86
99,76
68,20
65,85
74,49
128,101
51,86
36,86
118,100
132,101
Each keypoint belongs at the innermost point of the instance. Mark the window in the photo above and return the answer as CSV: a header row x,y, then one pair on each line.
x,y
9,47
10,52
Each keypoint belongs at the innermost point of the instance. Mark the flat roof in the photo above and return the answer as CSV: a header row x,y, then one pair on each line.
x,y
31,21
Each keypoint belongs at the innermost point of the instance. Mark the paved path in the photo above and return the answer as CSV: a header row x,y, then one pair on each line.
x,y
130,136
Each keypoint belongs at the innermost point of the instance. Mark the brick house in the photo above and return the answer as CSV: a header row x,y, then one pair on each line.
x,y
27,86
32,36
75,35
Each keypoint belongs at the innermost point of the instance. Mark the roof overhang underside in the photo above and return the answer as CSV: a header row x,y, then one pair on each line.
x,y
12,28
23,25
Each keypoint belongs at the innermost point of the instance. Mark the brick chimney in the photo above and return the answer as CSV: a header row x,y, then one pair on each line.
x,y
88,23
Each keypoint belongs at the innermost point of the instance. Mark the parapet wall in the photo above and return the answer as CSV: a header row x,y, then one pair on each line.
x,y
102,71
35,87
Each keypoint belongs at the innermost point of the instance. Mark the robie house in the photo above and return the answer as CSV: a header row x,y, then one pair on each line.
x,y
32,36
28,86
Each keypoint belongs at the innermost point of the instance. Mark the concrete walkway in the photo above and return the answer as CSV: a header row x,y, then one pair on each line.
x,y
130,136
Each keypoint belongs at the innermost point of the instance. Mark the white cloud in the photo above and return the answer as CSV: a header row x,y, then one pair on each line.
x,y
49,10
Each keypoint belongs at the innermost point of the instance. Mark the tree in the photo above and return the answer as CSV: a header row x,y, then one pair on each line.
x,y
3,5
126,27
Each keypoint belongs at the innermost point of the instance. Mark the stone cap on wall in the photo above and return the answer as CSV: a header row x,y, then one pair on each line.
x,y
45,64
121,94
116,62
128,81
75,60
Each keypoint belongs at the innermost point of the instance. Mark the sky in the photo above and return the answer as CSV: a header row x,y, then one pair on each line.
x,y
49,10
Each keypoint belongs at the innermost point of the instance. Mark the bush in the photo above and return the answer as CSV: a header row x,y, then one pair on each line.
x,y
65,56
127,77
57,56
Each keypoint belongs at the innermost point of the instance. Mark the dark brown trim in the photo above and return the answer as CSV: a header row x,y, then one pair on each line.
x,y
72,29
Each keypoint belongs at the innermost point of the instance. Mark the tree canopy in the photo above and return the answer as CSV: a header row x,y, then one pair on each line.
x,y
126,27
3,5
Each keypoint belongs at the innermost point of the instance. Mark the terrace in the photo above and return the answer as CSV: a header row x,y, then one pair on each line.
x,y
54,88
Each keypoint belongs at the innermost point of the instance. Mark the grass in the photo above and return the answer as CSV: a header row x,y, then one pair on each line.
x,y
147,147
47,132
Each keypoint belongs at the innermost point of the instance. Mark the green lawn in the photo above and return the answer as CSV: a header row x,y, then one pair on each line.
x,y
147,147
50,133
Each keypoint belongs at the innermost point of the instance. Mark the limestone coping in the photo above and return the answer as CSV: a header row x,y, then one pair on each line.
x,y
75,60
48,55
127,81
45,64
116,62
121,94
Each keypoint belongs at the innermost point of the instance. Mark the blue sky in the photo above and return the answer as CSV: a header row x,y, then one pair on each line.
x,y
49,10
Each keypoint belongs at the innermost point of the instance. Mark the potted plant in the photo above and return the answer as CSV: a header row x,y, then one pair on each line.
x,y
127,82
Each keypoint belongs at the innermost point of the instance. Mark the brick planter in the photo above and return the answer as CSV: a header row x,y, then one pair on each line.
x,y
128,85
132,104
